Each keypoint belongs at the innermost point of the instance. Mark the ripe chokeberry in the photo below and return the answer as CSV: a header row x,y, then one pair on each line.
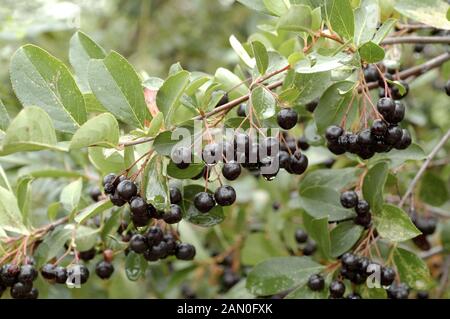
x,y
298,163
140,220
212,153
20,289
287,118
363,220
78,271
27,274
371,73
223,100
138,206
204,202
386,107
126,189
387,276
104,269
174,215
283,159
48,271
9,273
138,243
117,200
398,291
160,249
182,157
393,135
301,236
349,261
398,115
175,195
333,132
154,236
311,106
95,193
378,128
185,251
60,274
225,195
405,141
310,248
87,254
349,199
231,170
302,143
362,207
337,289
316,282
242,110
230,278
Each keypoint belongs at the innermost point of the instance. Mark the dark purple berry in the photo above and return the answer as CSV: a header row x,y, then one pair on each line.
x,y
204,202
287,118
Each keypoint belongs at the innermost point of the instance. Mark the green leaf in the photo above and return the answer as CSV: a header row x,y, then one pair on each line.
x,y
229,80
82,50
397,157
53,210
102,130
319,202
372,293
10,216
318,230
166,141
52,245
412,270
118,87
93,210
170,93
312,85
241,52
31,130
371,52
192,171
433,189
106,160
39,79
280,274
71,194
92,104
276,7
333,105
340,16
343,237
156,185
85,237
261,56
24,196
297,18
430,12
4,117
373,186
384,30
191,214
321,63
263,102
304,292
135,266
394,224
336,178
4,179
257,248
366,21
257,5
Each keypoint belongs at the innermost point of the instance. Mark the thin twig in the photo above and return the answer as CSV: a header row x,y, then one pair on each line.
x,y
432,252
424,167
416,39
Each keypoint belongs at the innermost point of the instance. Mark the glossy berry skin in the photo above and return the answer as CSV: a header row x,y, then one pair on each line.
x,y
20,289
33,294
333,132
426,225
301,236
95,194
298,163
337,289
365,137
287,118
311,106
223,100
27,274
225,195
398,115
171,244
230,278
138,206
349,199
310,248
154,236
104,269
140,220
387,276
349,261
185,251
394,135
174,215
175,195
60,275
364,220
204,202
182,157
336,148
9,273
378,128
316,282
398,291
363,263
109,179
242,110
117,200
386,106
405,141
302,143
362,207
87,255
48,271
138,243
231,170
78,270
126,190
283,159
160,249
371,74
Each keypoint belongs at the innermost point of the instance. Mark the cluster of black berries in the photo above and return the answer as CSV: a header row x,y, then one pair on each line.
x,y
104,268
155,245
427,225
19,279
63,275
371,74
383,135
349,199
308,245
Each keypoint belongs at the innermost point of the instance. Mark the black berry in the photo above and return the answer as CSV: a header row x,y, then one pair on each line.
x,y
337,289
225,195
310,248
87,255
405,141
117,200
154,236
60,274
126,190
386,107
48,271
333,132
242,110
175,195
204,202
349,199
185,251
138,243
27,274
301,236
316,282
287,118
138,206
298,163
231,170
362,207
394,135
104,269
95,194
182,157
174,215
387,276
378,128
